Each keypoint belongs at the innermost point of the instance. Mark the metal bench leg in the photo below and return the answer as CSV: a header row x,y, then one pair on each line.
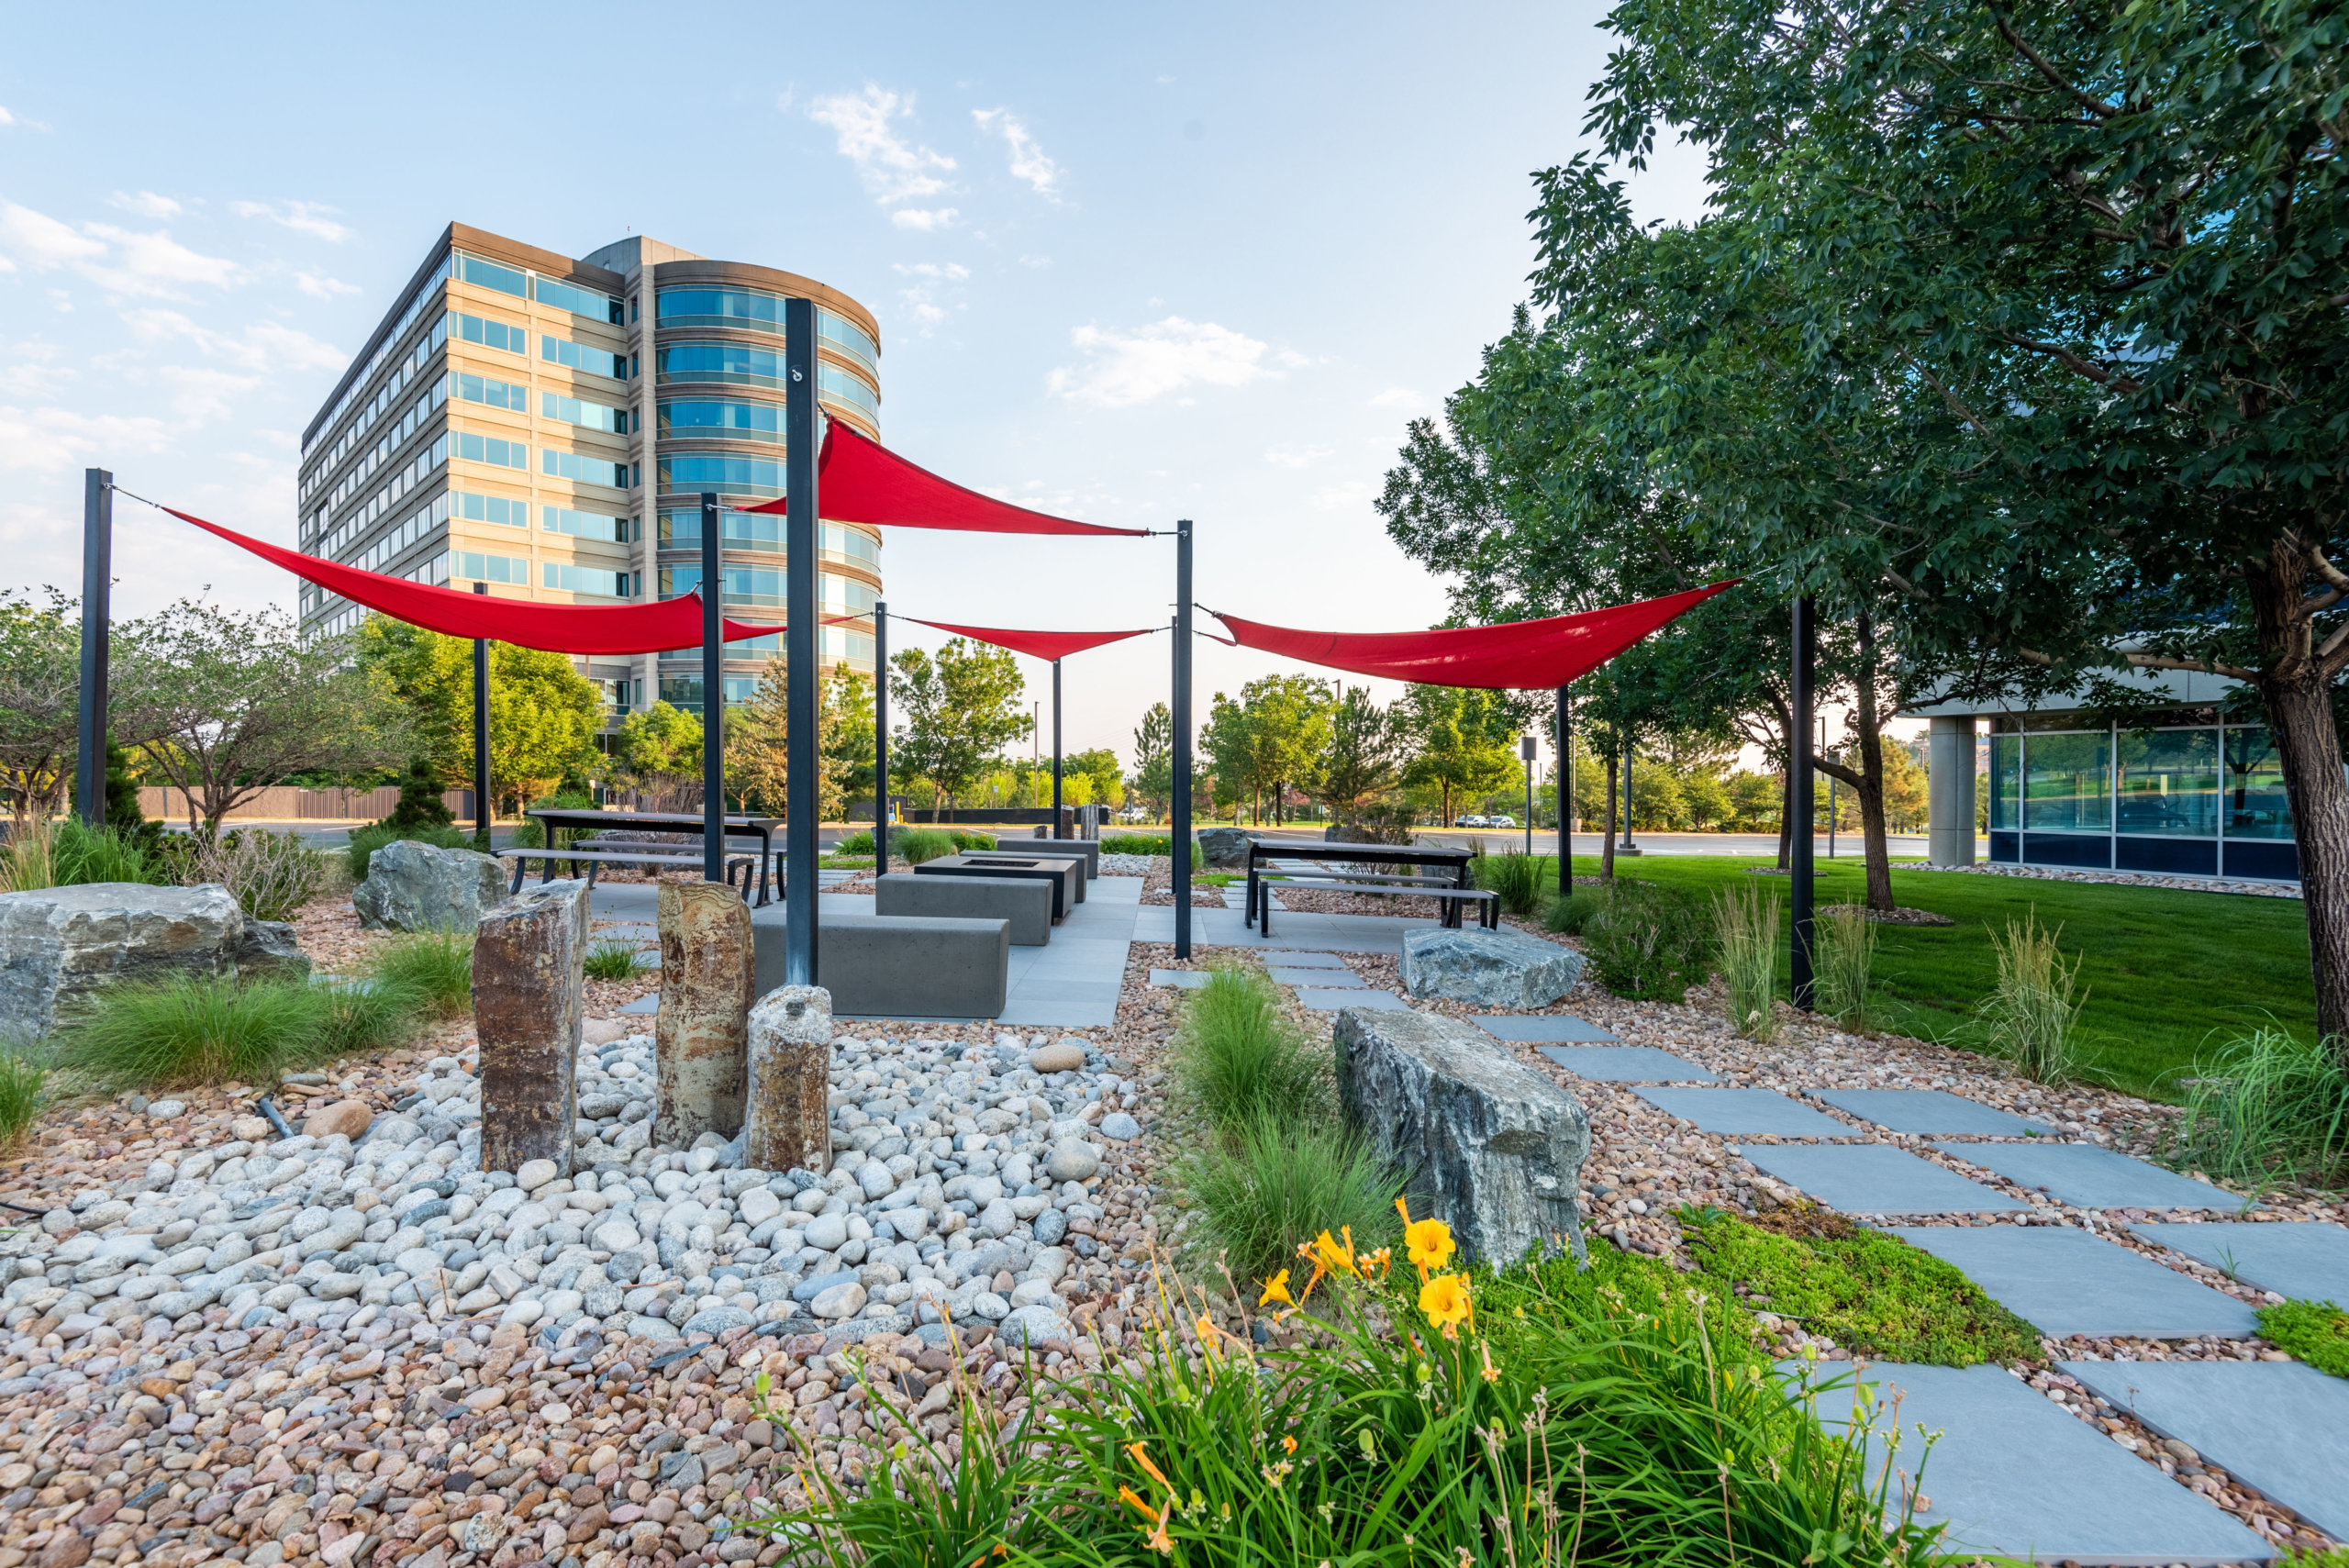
x,y
522,870
592,866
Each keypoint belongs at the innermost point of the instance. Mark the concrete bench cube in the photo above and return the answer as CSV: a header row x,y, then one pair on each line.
x,y
897,966
1026,902
1087,850
1063,873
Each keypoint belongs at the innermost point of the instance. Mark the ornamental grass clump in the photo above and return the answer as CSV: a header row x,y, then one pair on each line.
x,y
24,1083
1647,941
1746,930
2266,1107
1238,1058
915,845
1840,984
1522,882
1260,1188
437,967
2032,1017
610,959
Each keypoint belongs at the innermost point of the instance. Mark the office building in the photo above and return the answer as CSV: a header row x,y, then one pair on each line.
x,y
546,425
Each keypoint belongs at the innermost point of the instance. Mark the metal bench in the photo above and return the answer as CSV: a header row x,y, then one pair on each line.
x,y
593,858
1488,904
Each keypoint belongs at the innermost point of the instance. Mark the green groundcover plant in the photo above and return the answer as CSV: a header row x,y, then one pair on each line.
x,y
2315,1332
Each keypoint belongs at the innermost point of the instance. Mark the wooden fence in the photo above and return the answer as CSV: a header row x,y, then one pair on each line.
x,y
305,804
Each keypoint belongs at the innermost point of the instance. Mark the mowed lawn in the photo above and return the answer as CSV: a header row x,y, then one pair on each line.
x,y
2167,975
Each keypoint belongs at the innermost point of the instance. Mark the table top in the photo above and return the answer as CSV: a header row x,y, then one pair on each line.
x,y
1384,854
589,816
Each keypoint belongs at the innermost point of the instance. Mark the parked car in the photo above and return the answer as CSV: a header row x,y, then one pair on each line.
x,y
1470,821
1133,814
1502,820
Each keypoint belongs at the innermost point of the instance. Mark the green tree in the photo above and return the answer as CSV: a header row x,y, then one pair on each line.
x,y
758,743
1105,783
961,711
1155,758
1463,742
658,743
1361,763
848,732
1757,801
420,805
543,714
1272,740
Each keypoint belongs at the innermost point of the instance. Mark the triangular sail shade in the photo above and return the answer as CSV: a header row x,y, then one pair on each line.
x,y
865,482
1514,655
1035,644
558,628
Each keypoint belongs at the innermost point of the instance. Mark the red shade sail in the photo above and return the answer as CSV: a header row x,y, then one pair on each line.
x,y
1515,655
557,628
865,482
1035,644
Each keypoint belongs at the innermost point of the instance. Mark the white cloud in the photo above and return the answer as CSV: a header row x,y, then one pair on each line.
x,y
200,392
153,265
7,119
40,242
33,371
943,271
320,286
893,169
145,204
302,218
57,440
1122,369
262,347
1296,456
1336,497
924,220
922,296
1398,398
1027,159
1035,260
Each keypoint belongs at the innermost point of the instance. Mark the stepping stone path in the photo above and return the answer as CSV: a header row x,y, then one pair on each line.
x,y
1873,1178
1326,979
2014,1476
1746,1113
2085,1176
1329,998
1627,1065
1928,1111
644,1004
1181,979
1304,960
2067,1282
2306,1259
1555,1028
2280,1427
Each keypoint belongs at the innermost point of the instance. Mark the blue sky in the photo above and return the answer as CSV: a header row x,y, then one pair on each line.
x,y
1130,263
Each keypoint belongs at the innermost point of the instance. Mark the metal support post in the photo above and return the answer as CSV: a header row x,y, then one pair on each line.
x,y
1056,748
713,694
1527,747
1565,790
880,738
1180,841
1802,696
483,817
97,594
802,440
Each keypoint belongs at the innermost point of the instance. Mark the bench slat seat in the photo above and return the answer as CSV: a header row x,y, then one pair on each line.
x,y
1488,904
594,859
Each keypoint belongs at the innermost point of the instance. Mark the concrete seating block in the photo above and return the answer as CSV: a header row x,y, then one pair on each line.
x,y
2066,1282
2085,1176
1625,1065
1873,1178
1062,874
1087,850
901,966
2306,1259
1746,1112
1025,902
1932,1112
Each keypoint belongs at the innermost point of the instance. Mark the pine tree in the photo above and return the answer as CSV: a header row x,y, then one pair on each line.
x,y
420,805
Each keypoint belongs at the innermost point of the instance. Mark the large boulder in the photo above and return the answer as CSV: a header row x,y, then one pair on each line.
x,y
1493,969
1494,1147
1226,848
58,945
422,887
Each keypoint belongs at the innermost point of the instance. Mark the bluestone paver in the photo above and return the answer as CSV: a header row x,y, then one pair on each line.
x,y
1327,979
1181,979
1329,999
1295,959
644,1004
1626,1064
1873,1178
2086,1177
2014,1476
1747,1112
1928,1111
2303,1258
2282,1427
2065,1281
1542,1029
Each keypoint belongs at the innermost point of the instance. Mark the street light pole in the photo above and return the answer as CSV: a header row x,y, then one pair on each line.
x,y
1526,748
98,593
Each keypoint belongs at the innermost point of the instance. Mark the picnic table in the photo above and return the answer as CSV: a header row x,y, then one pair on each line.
x,y
1453,890
577,819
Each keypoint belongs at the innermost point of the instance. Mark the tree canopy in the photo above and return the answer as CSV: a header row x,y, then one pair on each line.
x,y
543,714
961,710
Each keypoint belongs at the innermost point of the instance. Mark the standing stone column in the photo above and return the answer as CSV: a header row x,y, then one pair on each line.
x,y
701,1039
791,1071
528,1005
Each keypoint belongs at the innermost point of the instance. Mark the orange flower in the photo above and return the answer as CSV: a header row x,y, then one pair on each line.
x,y
1428,1241
1491,1373
1142,1457
1158,1540
1288,1443
1333,1256
1277,1289
1444,1300
1127,1494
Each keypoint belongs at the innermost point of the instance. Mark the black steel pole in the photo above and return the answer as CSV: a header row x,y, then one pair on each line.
x,y
802,437
483,817
1057,832
1179,842
97,594
713,694
1802,696
880,738
1565,790
1626,847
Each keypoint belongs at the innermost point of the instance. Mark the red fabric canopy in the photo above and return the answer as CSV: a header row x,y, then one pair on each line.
x,y
865,482
557,628
1035,644
1514,655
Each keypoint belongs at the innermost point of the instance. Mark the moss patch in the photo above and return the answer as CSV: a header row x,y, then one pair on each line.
x,y
2315,1332
1870,1293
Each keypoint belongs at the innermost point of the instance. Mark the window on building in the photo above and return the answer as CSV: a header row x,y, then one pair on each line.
x,y
741,476
834,381
582,578
2255,803
474,447
491,334
493,394
720,362
481,568
578,411
492,509
593,302
2067,783
583,468
734,422
583,357
585,524
489,274
2168,782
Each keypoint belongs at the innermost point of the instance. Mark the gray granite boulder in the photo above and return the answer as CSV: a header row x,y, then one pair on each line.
x,y
1226,848
269,947
1492,1147
58,945
1494,969
422,887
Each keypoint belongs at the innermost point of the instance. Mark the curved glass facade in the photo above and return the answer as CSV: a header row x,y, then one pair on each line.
x,y
723,421
690,361
757,310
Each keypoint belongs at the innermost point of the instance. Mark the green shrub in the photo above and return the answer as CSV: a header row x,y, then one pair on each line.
x,y
1745,922
420,805
611,959
965,841
2315,1332
372,1015
2266,1106
365,841
1648,940
1150,844
1269,1184
272,874
854,844
1522,881
1870,1293
82,854
919,844
435,967
1238,1058
1845,940
186,1031
2031,1019
1569,913
24,1078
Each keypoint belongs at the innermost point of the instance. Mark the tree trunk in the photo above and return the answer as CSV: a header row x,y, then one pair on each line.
x,y
1607,841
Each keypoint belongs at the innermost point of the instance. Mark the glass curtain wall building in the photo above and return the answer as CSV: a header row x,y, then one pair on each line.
x,y
545,425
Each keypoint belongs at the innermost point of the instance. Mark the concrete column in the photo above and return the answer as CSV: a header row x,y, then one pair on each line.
x,y
1949,791
790,1121
528,1005
701,1037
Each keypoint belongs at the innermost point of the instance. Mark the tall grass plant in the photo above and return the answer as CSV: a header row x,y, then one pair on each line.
x,y
1238,1058
1746,930
435,967
1841,983
24,1089
2032,1017
1270,1184
1524,883
2266,1107
1647,940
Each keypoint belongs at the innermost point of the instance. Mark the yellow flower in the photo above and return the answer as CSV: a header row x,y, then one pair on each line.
x,y
1334,1256
1127,1494
1444,1299
1288,1443
1427,1242
1277,1289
